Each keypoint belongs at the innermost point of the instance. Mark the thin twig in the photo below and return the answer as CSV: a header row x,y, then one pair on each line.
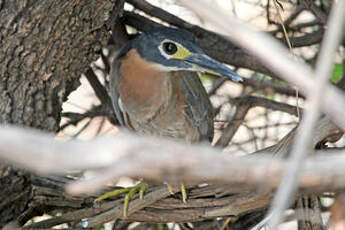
x,y
234,124
286,35
254,101
281,21
270,86
75,118
101,93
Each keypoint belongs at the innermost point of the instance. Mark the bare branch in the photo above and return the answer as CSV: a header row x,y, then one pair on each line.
x,y
270,86
253,101
101,93
177,161
75,118
234,124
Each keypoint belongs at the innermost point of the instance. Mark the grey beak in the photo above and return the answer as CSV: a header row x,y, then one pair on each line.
x,y
212,66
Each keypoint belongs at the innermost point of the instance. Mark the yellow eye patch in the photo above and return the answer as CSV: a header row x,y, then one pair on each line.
x,y
181,53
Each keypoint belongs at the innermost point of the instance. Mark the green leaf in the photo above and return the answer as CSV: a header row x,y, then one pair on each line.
x,y
270,96
337,73
99,227
326,3
262,76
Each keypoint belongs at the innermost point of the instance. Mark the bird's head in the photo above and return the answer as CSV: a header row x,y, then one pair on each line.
x,y
172,49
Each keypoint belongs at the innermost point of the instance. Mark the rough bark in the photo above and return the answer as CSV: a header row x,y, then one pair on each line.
x,y
45,46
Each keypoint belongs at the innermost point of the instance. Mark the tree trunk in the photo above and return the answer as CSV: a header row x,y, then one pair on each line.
x,y
45,46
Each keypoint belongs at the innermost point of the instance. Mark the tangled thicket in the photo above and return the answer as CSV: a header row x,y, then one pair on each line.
x,y
258,116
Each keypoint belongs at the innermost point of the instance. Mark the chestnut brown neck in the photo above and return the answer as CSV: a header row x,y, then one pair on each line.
x,y
144,88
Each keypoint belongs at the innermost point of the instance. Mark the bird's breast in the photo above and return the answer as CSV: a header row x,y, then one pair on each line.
x,y
144,88
155,103
168,120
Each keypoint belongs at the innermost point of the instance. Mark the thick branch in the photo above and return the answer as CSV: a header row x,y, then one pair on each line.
x,y
177,161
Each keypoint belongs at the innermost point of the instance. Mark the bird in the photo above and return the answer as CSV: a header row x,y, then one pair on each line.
x,y
155,89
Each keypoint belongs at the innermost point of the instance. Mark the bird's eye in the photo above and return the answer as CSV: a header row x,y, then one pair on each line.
x,y
170,48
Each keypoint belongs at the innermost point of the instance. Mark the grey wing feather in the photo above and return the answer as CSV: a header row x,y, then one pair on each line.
x,y
114,91
200,110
